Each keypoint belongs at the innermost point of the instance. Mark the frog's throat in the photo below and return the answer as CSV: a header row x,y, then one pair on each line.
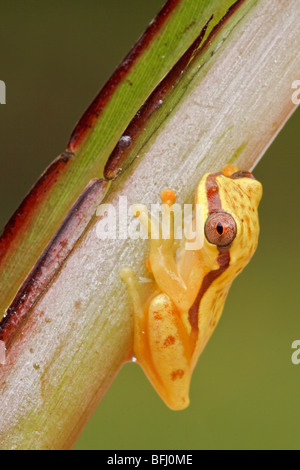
x,y
223,259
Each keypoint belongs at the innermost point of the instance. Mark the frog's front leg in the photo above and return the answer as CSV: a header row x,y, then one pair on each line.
x,y
161,345
180,280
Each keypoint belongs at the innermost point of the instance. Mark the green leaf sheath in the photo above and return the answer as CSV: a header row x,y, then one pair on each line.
x,y
39,217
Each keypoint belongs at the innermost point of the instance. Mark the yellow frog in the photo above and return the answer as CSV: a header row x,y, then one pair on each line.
x,y
173,326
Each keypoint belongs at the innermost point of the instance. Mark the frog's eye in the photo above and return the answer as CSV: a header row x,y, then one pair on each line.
x,y
220,229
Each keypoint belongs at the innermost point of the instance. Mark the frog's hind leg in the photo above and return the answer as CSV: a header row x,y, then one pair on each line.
x,y
161,344
170,353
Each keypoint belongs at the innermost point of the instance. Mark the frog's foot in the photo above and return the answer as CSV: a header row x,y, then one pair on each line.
x,y
168,197
160,233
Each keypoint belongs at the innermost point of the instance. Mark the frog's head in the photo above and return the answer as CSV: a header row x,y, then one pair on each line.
x,y
231,219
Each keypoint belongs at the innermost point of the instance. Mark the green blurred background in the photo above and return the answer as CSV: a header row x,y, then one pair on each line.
x,y
55,56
